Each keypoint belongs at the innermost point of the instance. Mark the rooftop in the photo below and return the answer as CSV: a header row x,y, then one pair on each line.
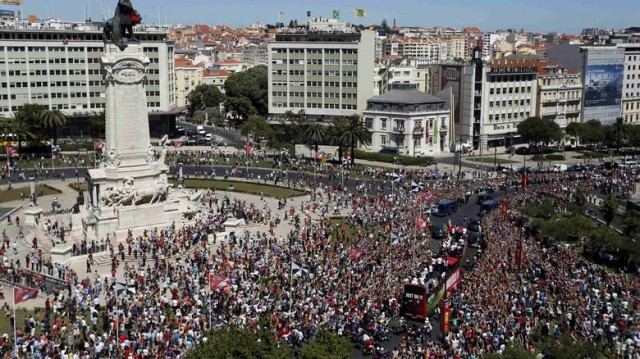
x,y
405,96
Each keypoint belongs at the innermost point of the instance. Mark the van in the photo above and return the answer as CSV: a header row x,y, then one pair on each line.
x,y
487,206
200,130
447,207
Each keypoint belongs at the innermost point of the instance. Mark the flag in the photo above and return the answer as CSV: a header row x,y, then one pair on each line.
x,y
359,13
298,270
426,131
417,187
248,149
336,14
281,13
123,288
318,155
98,146
356,253
11,151
520,253
217,282
23,294
435,131
425,196
308,13
421,223
394,238
177,144
397,178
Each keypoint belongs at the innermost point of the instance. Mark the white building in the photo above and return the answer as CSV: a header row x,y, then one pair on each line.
x,y
59,67
415,123
631,84
559,93
326,70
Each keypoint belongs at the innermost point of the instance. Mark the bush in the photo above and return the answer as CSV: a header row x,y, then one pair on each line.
x,y
547,157
389,158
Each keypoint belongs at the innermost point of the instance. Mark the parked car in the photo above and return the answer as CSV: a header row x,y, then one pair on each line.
x,y
474,226
522,151
208,136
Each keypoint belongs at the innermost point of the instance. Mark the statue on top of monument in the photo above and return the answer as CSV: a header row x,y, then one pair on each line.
x,y
119,29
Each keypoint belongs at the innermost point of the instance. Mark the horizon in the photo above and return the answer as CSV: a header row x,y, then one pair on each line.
x,y
543,16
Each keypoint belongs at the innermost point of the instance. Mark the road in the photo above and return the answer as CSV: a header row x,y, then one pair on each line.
x,y
225,136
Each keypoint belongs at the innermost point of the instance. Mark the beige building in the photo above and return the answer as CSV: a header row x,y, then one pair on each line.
x,y
188,77
559,93
216,78
631,84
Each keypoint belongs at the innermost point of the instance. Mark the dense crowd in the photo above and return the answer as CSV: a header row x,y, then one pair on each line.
x,y
346,278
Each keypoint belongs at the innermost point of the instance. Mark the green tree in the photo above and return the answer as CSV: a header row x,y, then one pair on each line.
x,y
513,352
609,209
227,343
574,129
52,119
327,345
204,97
247,92
354,133
27,123
293,126
97,124
537,130
618,132
256,126
631,222
634,136
592,132
315,134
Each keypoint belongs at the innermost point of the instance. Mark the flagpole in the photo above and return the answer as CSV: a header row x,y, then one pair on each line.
x,y
15,324
290,282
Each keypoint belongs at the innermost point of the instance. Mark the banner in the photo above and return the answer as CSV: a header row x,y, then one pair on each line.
x,y
217,282
336,14
359,13
446,316
453,280
248,148
356,253
520,253
525,179
23,294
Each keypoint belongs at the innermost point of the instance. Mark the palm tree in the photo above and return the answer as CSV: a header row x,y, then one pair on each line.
x,y
52,119
315,134
619,132
354,133
19,128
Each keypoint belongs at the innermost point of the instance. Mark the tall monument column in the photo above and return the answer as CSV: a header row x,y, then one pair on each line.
x,y
127,131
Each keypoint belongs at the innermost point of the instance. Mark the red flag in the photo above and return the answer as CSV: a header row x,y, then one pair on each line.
x,y
98,145
425,196
426,131
11,150
420,223
248,149
177,144
356,253
23,294
520,253
349,155
318,155
217,282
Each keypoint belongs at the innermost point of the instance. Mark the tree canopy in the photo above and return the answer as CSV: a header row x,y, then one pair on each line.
x,y
235,343
203,97
246,93
537,130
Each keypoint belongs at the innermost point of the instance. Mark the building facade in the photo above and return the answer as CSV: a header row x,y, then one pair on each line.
x,y
327,71
415,123
188,77
559,94
631,84
60,69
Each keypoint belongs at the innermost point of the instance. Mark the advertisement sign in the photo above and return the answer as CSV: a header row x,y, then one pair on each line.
x,y
603,85
446,316
453,280
414,301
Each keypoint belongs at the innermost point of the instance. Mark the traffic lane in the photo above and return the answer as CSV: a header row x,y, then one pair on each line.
x,y
231,137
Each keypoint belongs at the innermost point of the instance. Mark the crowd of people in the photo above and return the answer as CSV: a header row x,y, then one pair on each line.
x,y
344,276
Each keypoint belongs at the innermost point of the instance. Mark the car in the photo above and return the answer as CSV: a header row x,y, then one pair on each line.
x,y
200,130
208,136
191,142
522,151
474,226
475,239
180,130
202,142
189,132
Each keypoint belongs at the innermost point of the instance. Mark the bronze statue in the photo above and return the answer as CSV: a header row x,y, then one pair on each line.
x,y
119,29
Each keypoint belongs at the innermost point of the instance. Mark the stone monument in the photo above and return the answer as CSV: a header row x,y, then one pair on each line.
x,y
130,190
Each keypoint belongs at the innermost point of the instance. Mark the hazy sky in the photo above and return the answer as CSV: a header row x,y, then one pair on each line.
x,y
533,15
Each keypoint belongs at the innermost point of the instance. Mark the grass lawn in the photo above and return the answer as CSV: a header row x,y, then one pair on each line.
x,y
13,194
490,160
243,187
5,324
337,222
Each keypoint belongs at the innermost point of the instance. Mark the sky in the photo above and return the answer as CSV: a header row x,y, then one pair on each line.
x,y
566,16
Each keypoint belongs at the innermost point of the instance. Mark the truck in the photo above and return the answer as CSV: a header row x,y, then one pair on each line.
x,y
487,206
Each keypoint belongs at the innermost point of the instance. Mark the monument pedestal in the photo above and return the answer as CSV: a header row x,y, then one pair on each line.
x,y
32,216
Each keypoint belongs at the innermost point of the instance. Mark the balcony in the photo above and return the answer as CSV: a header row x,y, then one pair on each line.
x,y
399,130
418,129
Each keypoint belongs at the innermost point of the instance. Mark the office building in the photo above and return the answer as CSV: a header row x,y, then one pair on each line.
x,y
58,65
325,68
415,123
188,77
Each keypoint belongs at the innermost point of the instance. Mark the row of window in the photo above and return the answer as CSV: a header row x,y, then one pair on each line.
x,y
329,106
317,83
313,51
509,103
509,116
314,94
499,91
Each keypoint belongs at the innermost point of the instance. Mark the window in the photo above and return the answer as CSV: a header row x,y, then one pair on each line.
x,y
383,123
383,140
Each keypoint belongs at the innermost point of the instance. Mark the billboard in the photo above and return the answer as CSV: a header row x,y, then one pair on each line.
x,y
11,2
603,85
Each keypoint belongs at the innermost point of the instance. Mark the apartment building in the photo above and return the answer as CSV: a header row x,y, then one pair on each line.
x,y
559,93
631,84
325,68
415,123
59,67
188,77
428,50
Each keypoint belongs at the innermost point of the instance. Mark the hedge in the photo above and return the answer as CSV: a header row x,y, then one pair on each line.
x,y
389,158
547,157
